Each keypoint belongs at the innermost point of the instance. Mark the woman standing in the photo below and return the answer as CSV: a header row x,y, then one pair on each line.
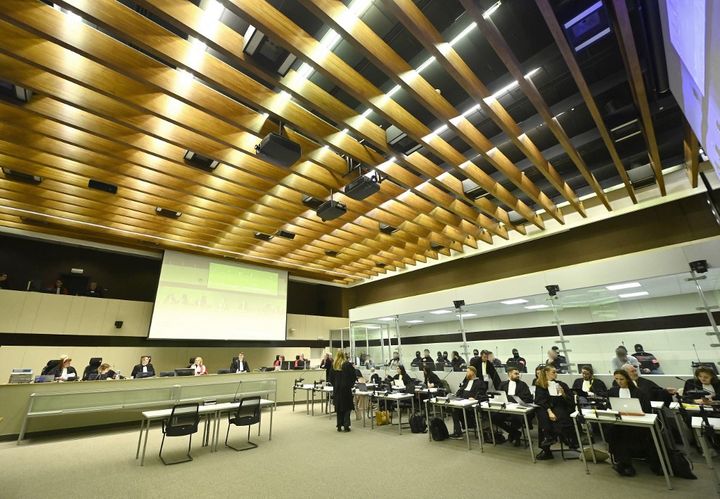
x,y
343,382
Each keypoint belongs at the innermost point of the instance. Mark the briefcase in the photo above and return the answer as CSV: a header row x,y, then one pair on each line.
x,y
382,418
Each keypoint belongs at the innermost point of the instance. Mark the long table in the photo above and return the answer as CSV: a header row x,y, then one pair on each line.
x,y
696,424
511,409
214,413
647,421
464,405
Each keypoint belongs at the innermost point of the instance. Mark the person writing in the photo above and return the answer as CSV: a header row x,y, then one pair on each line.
x,y
144,369
471,388
343,380
239,364
589,384
555,402
104,372
626,441
199,367
706,380
517,391
64,371
621,358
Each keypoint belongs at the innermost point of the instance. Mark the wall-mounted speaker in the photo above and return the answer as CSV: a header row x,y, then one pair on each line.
x,y
118,324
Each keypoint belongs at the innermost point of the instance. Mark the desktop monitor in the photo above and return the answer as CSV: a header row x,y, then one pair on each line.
x,y
285,365
185,371
225,371
167,374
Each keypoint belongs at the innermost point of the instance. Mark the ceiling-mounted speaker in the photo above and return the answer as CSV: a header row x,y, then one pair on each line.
x,y
278,149
200,161
330,210
362,187
266,53
102,186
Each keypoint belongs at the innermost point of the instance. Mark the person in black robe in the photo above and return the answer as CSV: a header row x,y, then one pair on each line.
x,y
589,384
473,388
627,442
485,369
705,380
327,363
555,401
457,362
432,380
517,391
343,374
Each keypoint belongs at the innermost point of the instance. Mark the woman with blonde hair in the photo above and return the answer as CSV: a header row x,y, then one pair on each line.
x,y
555,401
199,367
343,380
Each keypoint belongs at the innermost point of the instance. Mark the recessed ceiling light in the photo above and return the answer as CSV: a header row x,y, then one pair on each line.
x,y
440,312
516,301
626,285
414,321
469,314
536,307
386,319
373,327
634,295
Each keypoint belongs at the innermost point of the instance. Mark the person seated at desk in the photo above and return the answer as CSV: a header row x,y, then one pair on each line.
x,y
417,360
621,358
239,364
299,362
495,362
485,369
556,404
3,280
57,288
517,391
279,359
627,442
517,361
64,371
589,384
648,362
199,366
144,369
538,370
440,359
104,372
94,291
471,388
457,362
651,389
555,361
446,360
374,377
402,379
91,370
426,360
705,379
432,380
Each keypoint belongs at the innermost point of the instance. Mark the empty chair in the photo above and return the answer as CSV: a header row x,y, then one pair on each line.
x,y
247,414
183,421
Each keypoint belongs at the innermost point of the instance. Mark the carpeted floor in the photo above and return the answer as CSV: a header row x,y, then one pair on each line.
x,y
308,458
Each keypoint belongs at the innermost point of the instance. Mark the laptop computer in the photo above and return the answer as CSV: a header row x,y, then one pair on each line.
x,y
630,407
499,398
44,378
361,387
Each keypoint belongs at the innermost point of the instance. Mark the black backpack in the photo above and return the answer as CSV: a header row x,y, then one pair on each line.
x,y
417,423
681,465
438,430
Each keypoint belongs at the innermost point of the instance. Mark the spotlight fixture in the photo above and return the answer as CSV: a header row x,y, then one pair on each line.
x,y
699,266
102,186
459,303
199,161
164,212
552,289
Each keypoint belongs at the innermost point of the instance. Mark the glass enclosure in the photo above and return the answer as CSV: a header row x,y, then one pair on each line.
x,y
665,316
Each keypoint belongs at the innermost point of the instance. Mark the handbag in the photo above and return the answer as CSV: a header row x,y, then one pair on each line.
x,y
382,418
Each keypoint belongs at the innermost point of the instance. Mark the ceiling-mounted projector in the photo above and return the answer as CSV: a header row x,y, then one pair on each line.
x,y
362,187
330,210
278,149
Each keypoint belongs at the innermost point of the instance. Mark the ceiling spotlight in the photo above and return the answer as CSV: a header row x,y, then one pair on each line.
x,y
699,266
459,303
552,289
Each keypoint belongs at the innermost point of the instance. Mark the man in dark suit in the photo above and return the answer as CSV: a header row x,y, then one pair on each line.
x,y
517,361
94,291
426,359
651,389
517,391
485,369
144,369
57,288
239,364
472,388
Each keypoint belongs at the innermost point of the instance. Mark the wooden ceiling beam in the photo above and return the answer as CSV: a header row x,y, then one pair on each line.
x,y
691,154
569,57
506,55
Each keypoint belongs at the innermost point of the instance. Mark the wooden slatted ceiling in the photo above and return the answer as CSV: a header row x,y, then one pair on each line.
x,y
107,111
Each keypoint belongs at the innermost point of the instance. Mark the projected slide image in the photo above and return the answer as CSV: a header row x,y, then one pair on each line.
x,y
208,298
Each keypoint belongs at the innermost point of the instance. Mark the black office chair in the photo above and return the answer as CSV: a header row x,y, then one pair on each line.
x,y
247,414
183,420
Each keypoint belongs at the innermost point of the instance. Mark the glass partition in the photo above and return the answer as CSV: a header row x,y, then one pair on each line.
x,y
661,321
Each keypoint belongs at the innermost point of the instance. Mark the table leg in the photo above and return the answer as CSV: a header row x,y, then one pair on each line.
x,y
582,453
661,455
307,402
527,431
664,454
312,413
680,427
467,430
704,447
272,410
478,427
492,430
399,409
427,418
215,431
147,430
142,425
